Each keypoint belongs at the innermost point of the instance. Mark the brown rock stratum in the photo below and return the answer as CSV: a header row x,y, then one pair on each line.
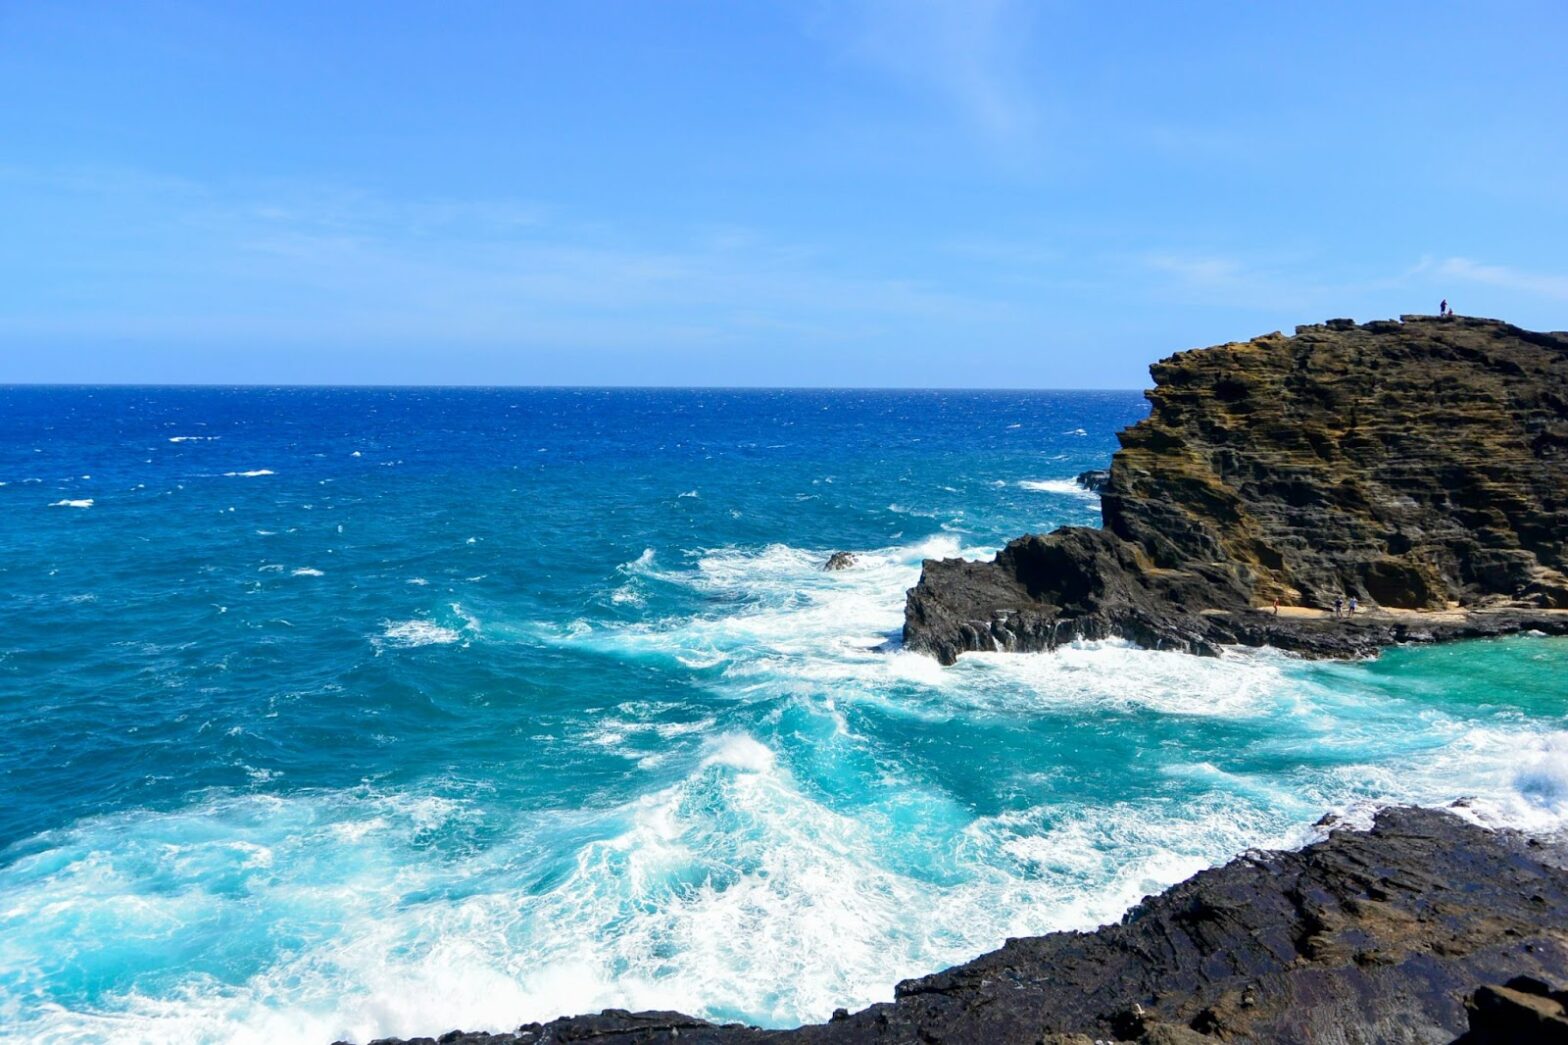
x,y
1420,466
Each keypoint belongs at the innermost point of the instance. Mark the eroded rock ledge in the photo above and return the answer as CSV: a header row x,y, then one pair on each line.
x,y
1420,466
1383,935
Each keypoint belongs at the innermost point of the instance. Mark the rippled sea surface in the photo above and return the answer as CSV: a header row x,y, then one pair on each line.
x,y
352,712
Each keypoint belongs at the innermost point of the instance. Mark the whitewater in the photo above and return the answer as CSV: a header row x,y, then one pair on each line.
x,y
342,713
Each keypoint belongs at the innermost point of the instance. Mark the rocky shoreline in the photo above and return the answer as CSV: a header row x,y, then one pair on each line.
x,y
1424,928
1418,466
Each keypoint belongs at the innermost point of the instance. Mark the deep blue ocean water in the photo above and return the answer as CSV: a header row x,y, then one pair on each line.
x,y
348,712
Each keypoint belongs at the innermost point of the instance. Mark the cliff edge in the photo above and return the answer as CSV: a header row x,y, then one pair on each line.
x,y
1420,466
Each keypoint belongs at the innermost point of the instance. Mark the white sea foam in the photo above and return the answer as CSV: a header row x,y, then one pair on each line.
x,y
423,631
736,882
630,734
308,571
192,438
419,633
250,474
1062,486
84,502
1543,777
739,751
780,608
642,564
733,888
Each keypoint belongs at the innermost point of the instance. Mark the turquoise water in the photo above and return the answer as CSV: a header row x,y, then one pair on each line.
x,y
338,713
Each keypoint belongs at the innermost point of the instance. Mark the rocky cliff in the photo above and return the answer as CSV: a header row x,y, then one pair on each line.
x,y
1419,930
1420,466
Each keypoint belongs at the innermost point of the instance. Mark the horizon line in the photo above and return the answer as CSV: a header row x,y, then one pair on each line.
x,y
6,385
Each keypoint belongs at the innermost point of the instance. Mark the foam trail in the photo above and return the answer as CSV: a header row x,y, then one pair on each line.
x,y
1061,486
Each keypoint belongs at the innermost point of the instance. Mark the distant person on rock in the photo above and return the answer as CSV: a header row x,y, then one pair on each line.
x,y
1276,605
1339,607
1352,605
1442,309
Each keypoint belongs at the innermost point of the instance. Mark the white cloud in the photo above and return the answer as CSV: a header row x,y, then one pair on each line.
x,y
968,53
1200,270
1506,277
321,262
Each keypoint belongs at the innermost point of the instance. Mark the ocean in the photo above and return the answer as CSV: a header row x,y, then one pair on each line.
x,y
352,712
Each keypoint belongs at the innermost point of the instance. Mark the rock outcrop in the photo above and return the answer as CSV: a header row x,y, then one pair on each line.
x,y
1419,466
1094,479
1523,1009
1368,936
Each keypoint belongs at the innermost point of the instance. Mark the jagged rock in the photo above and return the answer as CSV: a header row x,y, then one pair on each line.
x,y
1366,936
1093,480
1418,466
839,561
1524,1009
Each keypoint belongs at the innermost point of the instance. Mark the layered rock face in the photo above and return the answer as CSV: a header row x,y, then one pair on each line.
x,y
1419,465
1378,936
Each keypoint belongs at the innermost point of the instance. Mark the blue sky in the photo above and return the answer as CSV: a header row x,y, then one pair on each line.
x,y
865,192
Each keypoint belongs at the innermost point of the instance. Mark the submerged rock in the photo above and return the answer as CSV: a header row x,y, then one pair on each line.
x,y
839,561
1420,467
1378,935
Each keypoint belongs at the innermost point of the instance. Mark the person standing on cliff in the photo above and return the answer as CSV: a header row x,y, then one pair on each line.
x,y
1352,606
1442,309
1339,607
1276,605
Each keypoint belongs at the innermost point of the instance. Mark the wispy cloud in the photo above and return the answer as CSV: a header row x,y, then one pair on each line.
x,y
1502,276
323,262
1206,271
1283,282
969,54
1278,284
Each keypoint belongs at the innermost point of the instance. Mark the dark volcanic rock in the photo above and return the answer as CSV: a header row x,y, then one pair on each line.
x,y
1092,480
1522,1010
839,561
1376,936
1418,466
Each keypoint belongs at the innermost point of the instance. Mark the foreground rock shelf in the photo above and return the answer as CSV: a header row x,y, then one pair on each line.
x,y
1420,466
1384,935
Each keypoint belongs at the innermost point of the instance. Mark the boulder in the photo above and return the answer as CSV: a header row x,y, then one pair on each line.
x,y
1094,479
1524,1009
